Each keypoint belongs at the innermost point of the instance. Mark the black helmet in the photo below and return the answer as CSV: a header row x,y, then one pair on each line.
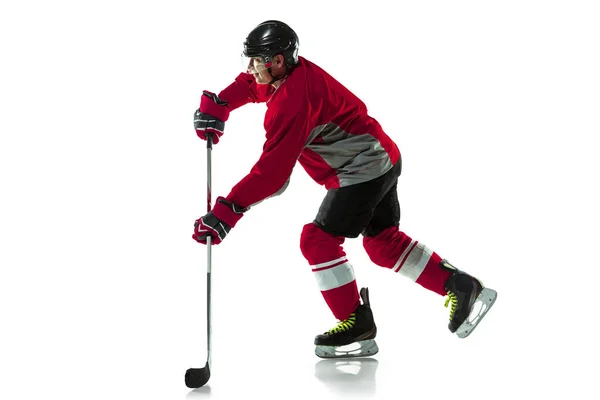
x,y
271,38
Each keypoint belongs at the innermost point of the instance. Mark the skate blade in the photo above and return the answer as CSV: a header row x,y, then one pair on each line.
x,y
482,305
358,349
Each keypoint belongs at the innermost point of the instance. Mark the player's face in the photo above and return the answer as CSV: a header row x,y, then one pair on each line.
x,y
258,68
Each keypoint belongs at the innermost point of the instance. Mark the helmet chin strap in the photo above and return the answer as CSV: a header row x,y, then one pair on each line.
x,y
287,71
274,79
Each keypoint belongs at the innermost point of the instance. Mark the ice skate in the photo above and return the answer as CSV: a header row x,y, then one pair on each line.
x,y
469,301
352,337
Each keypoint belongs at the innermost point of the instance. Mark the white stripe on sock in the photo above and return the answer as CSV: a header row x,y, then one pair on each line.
x,y
415,263
328,263
334,277
403,256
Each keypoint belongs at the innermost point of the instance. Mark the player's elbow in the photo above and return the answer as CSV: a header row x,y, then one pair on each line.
x,y
282,188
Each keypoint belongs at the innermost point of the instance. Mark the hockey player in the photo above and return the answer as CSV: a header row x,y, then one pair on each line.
x,y
314,120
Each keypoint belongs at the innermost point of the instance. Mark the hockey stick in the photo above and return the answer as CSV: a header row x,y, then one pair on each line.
x,y
198,377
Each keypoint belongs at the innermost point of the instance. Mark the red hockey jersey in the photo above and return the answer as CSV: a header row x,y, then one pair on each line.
x,y
314,120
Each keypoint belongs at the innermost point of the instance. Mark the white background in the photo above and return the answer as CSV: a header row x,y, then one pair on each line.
x,y
495,107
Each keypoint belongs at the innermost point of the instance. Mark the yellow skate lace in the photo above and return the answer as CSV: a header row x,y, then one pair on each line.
x,y
344,325
451,299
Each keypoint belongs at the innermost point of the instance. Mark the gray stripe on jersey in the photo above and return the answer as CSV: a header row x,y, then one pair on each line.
x,y
280,191
357,158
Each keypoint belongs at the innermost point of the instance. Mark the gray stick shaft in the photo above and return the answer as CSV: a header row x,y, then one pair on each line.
x,y
208,247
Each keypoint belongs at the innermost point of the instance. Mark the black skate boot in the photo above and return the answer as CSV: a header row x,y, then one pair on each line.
x,y
469,300
352,337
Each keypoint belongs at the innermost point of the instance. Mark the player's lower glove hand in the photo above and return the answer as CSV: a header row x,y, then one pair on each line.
x,y
218,222
211,116
210,226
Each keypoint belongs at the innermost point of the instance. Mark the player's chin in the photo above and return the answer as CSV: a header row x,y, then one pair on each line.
x,y
259,80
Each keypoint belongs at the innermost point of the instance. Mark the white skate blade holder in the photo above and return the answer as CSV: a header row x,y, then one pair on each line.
x,y
482,305
362,348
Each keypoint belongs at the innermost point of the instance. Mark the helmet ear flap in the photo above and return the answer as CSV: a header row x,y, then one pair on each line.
x,y
268,61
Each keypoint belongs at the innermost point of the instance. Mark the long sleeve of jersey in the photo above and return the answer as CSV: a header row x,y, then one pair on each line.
x,y
287,133
245,90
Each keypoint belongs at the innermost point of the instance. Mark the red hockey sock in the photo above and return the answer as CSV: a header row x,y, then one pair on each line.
x,y
333,272
395,250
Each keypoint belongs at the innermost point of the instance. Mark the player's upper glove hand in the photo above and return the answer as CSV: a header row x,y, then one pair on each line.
x,y
218,222
211,116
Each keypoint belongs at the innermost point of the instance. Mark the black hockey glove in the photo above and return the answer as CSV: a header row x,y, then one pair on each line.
x,y
218,222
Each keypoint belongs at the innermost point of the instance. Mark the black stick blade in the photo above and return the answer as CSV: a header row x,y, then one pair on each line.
x,y
197,377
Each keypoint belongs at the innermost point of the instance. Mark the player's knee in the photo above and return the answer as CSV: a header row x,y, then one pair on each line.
x,y
372,246
309,239
378,246
305,240
317,244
